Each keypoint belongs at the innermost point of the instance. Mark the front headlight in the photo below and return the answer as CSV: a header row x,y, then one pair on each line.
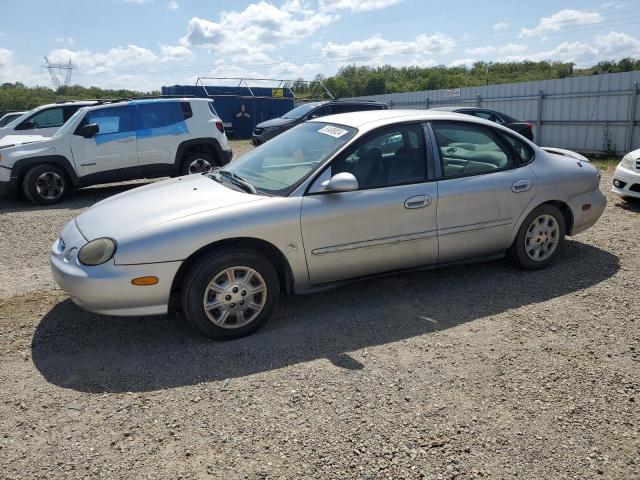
x,y
97,251
628,162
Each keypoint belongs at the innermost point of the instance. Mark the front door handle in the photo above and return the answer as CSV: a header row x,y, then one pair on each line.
x,y
128,139
418,201
521,186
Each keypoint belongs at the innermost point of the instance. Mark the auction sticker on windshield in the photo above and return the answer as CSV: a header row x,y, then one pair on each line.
x,y
335,132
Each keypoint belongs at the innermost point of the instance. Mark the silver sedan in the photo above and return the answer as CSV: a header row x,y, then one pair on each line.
x,y
342,197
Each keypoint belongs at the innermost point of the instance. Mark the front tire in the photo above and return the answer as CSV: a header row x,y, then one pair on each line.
x,y
46,184
198,163
230,293
540,238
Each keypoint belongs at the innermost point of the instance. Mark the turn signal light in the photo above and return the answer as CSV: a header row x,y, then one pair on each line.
x,y
144,281
586,206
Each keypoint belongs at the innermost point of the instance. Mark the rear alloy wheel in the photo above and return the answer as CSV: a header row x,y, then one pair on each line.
x,y
230,293
46,184
198,163
540,238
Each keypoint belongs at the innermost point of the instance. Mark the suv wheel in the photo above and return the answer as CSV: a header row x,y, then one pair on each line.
x,y
198,163
46,184
230,293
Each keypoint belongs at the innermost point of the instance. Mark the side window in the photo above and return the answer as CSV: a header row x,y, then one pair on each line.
x,y
213,110
186,109
110,120
394,156
524,153
158,115
51,117
320,112
486,115
467,149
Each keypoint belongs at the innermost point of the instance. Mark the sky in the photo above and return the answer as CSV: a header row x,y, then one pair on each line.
x,y
144,44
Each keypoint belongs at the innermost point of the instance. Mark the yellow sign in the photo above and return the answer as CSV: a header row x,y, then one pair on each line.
x,y
277,92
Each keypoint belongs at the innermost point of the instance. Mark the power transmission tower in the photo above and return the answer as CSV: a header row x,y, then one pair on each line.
x,y
61,69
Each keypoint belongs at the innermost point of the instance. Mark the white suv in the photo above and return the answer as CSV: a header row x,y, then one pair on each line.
x,y
44,120
117,141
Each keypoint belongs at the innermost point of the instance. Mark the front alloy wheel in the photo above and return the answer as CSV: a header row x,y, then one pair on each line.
x,y
230,293
235,297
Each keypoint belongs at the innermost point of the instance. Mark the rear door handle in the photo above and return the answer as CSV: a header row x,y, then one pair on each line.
x,y
418,201
128,139
521,186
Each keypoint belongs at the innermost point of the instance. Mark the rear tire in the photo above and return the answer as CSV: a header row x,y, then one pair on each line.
x,y
198,163
230,293
46,184
540,238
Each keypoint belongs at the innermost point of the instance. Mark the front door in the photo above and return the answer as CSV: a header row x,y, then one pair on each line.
x,y
388,224
111,155
485,184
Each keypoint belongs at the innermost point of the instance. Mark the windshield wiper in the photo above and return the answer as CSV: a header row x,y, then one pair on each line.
x,y
236,180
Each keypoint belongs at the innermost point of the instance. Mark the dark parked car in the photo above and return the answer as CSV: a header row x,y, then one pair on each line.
x,y
270,128
523,128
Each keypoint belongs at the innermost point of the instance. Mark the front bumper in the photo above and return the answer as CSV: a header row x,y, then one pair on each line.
x,y
8,185
266,135
107,288
626,182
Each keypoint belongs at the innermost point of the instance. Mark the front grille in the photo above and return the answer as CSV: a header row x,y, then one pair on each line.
x,y
257,131
635,187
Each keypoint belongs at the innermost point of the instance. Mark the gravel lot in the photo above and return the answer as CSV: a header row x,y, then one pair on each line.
x,y
477,371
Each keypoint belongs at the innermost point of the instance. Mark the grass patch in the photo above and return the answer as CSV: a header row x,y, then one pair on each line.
x,y
605,163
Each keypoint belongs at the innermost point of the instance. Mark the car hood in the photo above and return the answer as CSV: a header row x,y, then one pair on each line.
x,y
6,140
145,207
275,122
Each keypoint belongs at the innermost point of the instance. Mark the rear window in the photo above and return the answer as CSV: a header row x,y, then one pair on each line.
x,y
213,110
523,151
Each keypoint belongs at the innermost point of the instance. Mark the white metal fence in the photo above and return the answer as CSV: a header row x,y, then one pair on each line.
x,y
593,114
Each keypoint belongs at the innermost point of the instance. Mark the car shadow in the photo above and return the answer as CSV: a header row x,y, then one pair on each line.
x,y
93,353
630,205
81,198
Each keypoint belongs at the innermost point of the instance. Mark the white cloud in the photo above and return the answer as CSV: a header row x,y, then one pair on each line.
x,y
561,20
69,40
173,5
463,62
175,52
609,46
377,46
356,5
10,71
617,44
480,50
512,48
498,27
261,28
100,62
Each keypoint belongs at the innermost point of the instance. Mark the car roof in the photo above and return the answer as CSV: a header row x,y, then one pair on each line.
x,y
368,120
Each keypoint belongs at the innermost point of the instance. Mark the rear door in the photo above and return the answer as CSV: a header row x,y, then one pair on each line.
x,y
161,127
111,155
389,223
484,186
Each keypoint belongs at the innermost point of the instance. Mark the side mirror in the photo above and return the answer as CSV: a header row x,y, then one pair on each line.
x,y
27,125
90,130
341,182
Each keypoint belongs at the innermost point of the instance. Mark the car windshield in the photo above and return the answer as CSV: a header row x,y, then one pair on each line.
x,y
67,125
300,111
278,166
16,120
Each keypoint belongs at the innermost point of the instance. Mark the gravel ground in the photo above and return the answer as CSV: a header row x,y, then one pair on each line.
x,y
477,371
